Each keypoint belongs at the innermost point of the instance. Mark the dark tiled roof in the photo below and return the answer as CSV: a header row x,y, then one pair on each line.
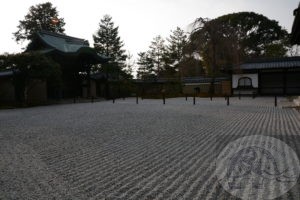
x,y
68,45
62,42
6,73
273,63
203,79
156,80
183,80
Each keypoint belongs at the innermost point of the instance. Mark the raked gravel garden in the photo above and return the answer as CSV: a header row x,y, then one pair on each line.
x,y
130,151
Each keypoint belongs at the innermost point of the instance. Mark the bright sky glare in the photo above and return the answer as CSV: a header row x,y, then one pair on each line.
x,y
139,21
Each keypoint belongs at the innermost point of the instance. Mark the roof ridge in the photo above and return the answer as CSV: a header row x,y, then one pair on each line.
x,y
61,35
267,60
275,63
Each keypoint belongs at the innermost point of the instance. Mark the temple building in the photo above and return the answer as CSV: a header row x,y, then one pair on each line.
x,y
75,58
295,38
273,76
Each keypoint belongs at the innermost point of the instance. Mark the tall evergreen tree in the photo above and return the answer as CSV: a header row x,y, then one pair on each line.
x,y
174,54
177,42
145,66
108,42
157,53
129,65
41,16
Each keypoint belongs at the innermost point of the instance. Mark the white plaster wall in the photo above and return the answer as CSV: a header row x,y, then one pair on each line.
x,y
297,101
236,77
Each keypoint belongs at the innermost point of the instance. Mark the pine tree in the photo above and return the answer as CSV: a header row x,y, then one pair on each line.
x,y
108,42
145,66
157,54
40,17
177,42
129,65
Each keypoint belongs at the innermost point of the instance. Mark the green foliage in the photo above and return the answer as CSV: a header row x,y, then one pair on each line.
x,y
256,32
108,42
157,52
177,42
190,66
39,17
234,38
162,59
30,66
4,62
175,52
275,50
154,62
145,66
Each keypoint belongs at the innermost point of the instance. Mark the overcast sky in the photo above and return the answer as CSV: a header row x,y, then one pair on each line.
x,y
139,21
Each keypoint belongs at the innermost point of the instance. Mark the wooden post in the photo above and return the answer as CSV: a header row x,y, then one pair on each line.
x,y
186,97
275,100
113,99
239,95
228,101
137,99
194,99
163,92
211,97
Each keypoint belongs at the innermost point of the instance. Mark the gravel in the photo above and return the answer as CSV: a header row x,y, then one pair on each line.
x,y
127,151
